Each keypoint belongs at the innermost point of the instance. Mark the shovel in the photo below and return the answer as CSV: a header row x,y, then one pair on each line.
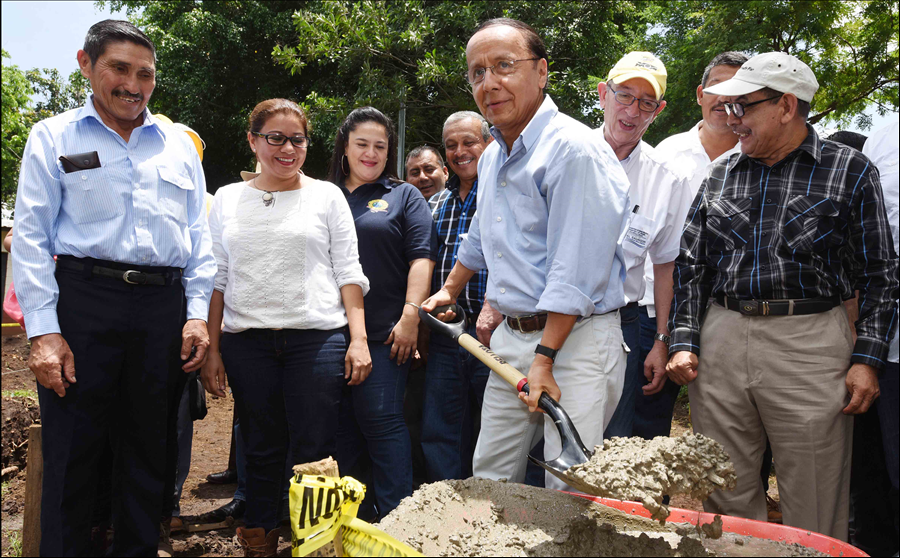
x,y
573,450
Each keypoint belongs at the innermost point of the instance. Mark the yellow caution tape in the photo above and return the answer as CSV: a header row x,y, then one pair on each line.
x,y
320,506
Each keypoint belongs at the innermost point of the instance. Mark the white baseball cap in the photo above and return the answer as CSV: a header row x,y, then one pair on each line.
x,y
776,70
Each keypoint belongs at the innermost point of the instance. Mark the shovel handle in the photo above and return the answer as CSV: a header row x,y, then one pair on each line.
x,y
493,361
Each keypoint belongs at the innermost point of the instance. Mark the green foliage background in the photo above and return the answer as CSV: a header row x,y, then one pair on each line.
x,y
217,59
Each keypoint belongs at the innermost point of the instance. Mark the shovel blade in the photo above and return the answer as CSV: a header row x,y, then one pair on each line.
x,y
573,450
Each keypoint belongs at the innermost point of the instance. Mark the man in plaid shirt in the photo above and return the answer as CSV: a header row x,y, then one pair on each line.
x,y
778,236
455,379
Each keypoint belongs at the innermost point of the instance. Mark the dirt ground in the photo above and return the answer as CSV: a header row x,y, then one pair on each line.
x,y
210,453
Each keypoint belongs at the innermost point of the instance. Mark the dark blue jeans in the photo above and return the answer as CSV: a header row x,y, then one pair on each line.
x,y
287,388
622,421
652,413
454,392
373,441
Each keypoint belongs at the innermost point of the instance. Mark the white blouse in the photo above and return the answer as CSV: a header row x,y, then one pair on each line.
x,y
281,266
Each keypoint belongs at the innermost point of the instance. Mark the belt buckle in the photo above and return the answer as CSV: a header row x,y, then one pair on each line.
x,y
519,323
749,307
127,279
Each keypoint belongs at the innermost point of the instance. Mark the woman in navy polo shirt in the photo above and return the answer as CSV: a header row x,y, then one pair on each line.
x,y
397,243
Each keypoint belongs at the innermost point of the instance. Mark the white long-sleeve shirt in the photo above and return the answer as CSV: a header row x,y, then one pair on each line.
x,y
282,266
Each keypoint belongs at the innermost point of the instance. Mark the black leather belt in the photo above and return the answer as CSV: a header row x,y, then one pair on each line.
x,y
798,307
527,324
144,275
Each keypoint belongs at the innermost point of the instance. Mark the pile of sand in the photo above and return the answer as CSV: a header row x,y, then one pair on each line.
x,y
644,471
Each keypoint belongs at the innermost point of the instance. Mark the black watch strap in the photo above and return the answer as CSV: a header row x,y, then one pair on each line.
x,y
546,351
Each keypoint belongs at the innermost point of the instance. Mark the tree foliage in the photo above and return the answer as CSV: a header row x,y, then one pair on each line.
x,y
412,54
851,46
16,94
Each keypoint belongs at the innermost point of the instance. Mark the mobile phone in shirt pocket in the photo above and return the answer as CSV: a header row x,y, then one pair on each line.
x,y
812,223
89,192
173,193
728,224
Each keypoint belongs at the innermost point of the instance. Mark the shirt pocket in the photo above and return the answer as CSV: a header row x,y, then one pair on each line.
x,y
635,240
531,216
728,224
92,197
173,193
813,223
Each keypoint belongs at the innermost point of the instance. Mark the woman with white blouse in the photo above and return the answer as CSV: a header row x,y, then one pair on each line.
x,y
290,290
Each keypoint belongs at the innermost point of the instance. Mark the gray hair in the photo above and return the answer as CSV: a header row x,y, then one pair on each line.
x,y
728,58
464,114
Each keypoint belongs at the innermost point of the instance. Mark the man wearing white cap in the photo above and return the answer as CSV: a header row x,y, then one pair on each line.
x,y
778,236
632,97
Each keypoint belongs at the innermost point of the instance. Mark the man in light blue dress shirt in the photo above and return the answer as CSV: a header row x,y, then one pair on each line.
x,y
552,205
118,196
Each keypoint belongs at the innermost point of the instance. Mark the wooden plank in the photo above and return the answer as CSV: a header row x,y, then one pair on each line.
x,y
327,467
34,478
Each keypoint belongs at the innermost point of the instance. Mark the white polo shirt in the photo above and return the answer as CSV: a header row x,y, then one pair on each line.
x,y
882,148
686,156
662,199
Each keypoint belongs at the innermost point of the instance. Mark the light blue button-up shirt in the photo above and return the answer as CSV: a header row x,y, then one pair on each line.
x,y
144,205
549,218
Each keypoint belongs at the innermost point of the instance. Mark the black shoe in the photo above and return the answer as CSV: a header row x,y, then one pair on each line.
x,y
233,509
228,476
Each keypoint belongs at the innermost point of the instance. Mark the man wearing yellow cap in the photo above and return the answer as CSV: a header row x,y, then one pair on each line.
x,y
632,97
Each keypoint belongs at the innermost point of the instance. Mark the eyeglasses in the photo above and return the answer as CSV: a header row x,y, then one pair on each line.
x,y
645,105
502,68
740,109
280,139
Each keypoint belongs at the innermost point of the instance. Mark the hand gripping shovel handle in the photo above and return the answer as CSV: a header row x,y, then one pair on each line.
x,y
457,330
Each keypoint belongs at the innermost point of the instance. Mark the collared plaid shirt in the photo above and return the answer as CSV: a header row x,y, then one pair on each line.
x,y
813,225
452,217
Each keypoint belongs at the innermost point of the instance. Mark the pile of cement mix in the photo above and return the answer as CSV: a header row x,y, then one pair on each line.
x,y
478,517
644,471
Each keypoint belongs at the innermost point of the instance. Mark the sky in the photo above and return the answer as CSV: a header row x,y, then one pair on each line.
x,y
48,34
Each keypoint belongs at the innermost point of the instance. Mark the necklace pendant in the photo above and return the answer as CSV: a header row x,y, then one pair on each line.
x,y
268,198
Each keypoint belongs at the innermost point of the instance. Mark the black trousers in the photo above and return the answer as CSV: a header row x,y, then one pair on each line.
x,y
126,340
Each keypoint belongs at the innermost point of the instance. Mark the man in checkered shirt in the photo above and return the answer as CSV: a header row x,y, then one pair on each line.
x,y
778,236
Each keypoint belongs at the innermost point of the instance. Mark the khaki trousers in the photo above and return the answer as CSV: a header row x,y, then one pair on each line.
x,y
781,378
590,372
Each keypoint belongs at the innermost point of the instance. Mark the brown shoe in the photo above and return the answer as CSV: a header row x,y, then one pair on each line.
x,y
164,546
774,511
256,542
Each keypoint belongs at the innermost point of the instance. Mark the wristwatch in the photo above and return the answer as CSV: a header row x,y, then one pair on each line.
x,y
546,351
664,338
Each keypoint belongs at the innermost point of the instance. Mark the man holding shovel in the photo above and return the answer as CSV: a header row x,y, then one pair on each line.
x,y
551,206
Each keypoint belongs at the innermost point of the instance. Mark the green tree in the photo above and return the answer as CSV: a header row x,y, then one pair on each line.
x,y
851,46
412,54
16,95
52,94
214,64
216,60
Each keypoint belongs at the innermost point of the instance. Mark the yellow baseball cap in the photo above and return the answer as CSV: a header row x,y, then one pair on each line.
x,y
641,65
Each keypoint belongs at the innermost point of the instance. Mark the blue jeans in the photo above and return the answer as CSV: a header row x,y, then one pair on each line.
x,y
373,441
622,421
454,384
652,413
287,388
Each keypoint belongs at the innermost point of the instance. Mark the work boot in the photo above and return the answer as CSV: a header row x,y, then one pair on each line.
x,y
164,546
228,476
255,542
